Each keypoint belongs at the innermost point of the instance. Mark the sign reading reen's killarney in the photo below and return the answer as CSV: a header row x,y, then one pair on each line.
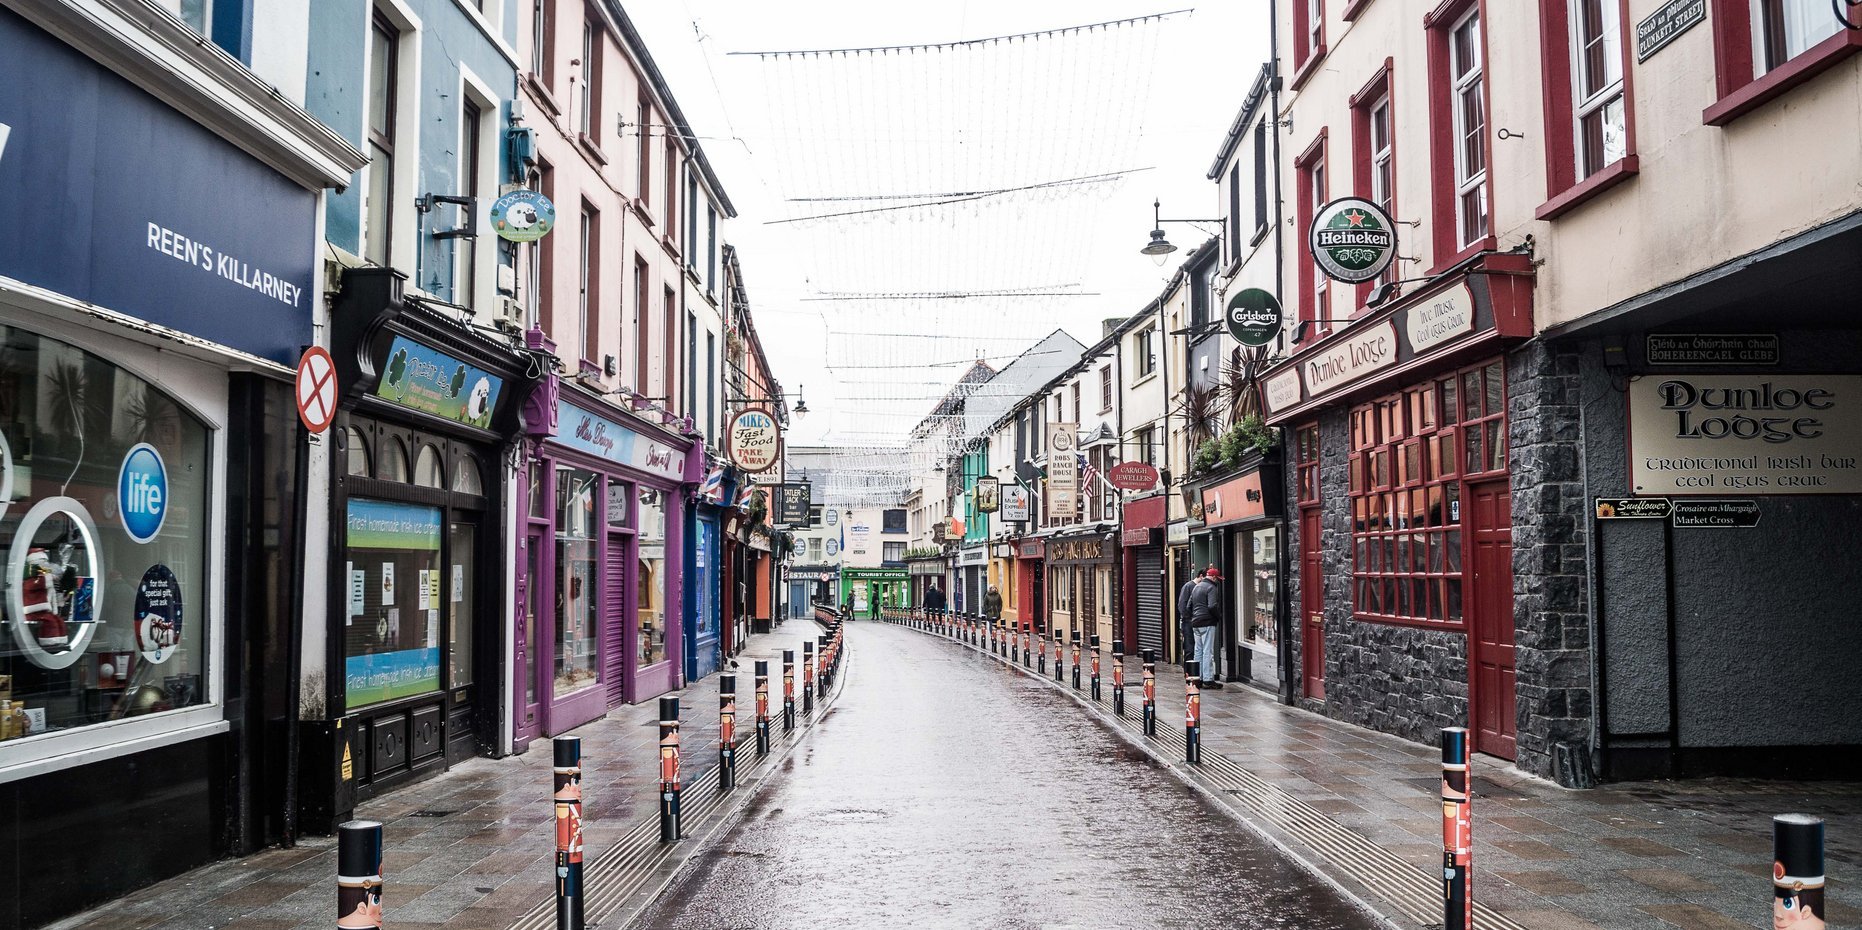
x,y
1352,239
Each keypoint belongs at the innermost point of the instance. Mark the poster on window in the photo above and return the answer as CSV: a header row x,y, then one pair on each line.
x,y
393,650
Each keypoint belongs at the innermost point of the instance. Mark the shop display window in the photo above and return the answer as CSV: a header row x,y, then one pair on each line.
x,y
1410,454
651,586
104,528
1261,574
578,580
391,636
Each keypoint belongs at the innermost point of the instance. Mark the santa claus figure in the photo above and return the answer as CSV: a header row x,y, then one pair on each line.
x,y
42,593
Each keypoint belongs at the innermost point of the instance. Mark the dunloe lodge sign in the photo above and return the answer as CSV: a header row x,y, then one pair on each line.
x,y
1746,434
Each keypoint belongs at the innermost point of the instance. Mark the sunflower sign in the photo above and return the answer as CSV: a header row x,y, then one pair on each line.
x,y
425,379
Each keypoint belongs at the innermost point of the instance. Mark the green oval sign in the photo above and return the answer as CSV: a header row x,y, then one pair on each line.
x,y
1253,317
1352,239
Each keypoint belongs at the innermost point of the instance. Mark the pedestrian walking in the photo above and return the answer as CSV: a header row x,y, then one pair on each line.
x,y
992,605
934,598
1201,602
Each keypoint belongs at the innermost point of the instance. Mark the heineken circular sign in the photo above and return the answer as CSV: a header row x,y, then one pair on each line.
x,y
1352,239
1253,317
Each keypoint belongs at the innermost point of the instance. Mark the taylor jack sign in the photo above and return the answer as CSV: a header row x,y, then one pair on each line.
x,y
1747,434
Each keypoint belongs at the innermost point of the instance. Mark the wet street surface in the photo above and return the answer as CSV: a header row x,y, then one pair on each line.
x,y
945,790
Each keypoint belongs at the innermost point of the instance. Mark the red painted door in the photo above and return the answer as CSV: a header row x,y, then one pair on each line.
x,y
1491,671
1312,607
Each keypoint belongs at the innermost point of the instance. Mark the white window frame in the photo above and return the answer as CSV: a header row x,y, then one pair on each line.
x,y
1817,11
1315,26
585,105
199,388
1460,85
483,249
585,263
402,234
1146,352
1321,289
1610,36
1383,174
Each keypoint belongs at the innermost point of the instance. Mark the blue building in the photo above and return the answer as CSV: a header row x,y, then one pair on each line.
x,y
425,331
158,283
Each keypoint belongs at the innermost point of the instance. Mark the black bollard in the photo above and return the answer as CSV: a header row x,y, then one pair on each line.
x,y
1797,872
358,874
1192,713
1150,692
808,677
567,799
1027,647
1076,660
1457,833
669,770
1060,655
1040,664
1095,675
1118,677
727,732
821,666
762,708
788,690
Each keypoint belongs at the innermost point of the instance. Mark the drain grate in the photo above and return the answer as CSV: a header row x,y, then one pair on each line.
x,y
432,813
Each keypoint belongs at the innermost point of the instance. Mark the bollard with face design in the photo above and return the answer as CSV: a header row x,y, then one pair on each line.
x,y
1457,838
567,799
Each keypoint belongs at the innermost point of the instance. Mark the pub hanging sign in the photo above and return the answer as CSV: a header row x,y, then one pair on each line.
x,y
1715,434
1352,239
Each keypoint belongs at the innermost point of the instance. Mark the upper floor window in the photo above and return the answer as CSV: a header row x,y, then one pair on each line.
x,y
1308,36
1144,347
1785,29
1234,211
1597,76
465,277
1310,171
378,194
1589,114
542,42
1373,161
1105,388
588,117
1260,177
1468,108
646,150
198,14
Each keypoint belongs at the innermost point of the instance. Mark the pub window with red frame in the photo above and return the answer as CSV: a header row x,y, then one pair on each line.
x,y
1308,37
1411,451
1306,463
1309,168
1373,145
1589,116
1458,128
1763,48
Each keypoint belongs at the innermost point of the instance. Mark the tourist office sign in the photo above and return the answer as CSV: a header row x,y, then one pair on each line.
x,y
1712,434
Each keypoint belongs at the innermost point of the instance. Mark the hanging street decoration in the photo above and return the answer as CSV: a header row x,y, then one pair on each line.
x,y
1253,317
1352,239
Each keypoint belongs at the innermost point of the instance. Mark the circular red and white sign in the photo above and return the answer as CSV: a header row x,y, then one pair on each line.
x,y
316,389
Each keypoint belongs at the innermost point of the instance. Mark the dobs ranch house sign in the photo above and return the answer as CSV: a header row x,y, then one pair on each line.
x,y
1746,434
755,440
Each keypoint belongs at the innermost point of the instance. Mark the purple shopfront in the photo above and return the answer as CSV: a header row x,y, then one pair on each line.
x,y
600,552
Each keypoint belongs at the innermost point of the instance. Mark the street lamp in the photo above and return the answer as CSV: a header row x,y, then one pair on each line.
x,y
1159,248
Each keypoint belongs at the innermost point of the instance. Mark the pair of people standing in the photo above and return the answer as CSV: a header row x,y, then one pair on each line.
x,y
1199,606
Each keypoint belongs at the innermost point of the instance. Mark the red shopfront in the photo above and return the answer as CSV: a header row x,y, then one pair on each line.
x,y
599,592
1142,536
1030,582
1411,402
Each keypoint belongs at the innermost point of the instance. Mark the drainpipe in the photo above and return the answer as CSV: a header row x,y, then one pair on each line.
x,y
1284,605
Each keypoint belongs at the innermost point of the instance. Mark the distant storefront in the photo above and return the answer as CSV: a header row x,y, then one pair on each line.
x,y
1240,535
1081,586
1142,539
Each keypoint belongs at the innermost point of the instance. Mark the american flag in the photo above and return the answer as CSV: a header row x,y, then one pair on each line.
x,y
1087,469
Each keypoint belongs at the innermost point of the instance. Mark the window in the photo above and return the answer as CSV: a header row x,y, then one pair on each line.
x,y
1234,212
544,182
646,150
1589,112
588,309
577,581
465,278
691,219
1144,441
1597,72
1785,29
1410,453
711,250
1260,177
1763,48
588,116
542,43
643,328
378,193
1105,388
197,14
669,363
672,187
1373,160
1309,168
1306,462
1144,350
711,383
814,549
1308,38
76,649
892,551
1468,107
654,580
1077,409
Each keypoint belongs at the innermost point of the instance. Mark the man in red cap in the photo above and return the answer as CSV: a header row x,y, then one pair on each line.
x,y
1205,614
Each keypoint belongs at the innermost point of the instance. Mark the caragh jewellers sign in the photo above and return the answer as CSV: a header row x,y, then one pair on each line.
x,y
1746,434
1352,239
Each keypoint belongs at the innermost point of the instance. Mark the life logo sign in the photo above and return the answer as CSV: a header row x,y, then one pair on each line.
x,y
522,216
1352,239
142,492
755,439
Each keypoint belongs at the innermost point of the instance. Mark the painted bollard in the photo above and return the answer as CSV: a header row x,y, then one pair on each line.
x,y
1118,677
1040,662
1797,872
808,677
1457,838
762,708
821,666
788,690
727,732
1060,655
1015,645
1192,713
1027,647
1095,667
358,875
567,799
1076,660
1150,692
669,770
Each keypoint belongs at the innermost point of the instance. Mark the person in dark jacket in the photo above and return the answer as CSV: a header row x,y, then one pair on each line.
x,y
992,605
1200,603
934,598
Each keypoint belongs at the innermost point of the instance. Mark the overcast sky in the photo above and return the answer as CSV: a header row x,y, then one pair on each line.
x,y
902,213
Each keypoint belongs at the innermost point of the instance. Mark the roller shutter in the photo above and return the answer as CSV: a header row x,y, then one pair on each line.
x,y
1150,591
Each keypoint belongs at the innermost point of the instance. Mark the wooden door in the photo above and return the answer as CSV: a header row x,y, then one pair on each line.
x,y
1492,690
529,639
1312,607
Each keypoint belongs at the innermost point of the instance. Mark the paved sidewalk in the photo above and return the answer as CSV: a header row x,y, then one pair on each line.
x,y
474,848
1365,807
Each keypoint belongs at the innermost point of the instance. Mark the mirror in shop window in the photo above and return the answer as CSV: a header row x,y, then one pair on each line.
x,y
53,605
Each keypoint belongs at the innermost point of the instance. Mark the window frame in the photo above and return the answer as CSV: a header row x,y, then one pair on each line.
x,y
1445,211
1308,39
1566,190
588,285
1377,93
1145,351
587,122
1105,389
382,142
1260,179
1742,87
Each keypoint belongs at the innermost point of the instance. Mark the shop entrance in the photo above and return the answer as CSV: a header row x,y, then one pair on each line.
x,y
1312,607
524,647
1491,666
